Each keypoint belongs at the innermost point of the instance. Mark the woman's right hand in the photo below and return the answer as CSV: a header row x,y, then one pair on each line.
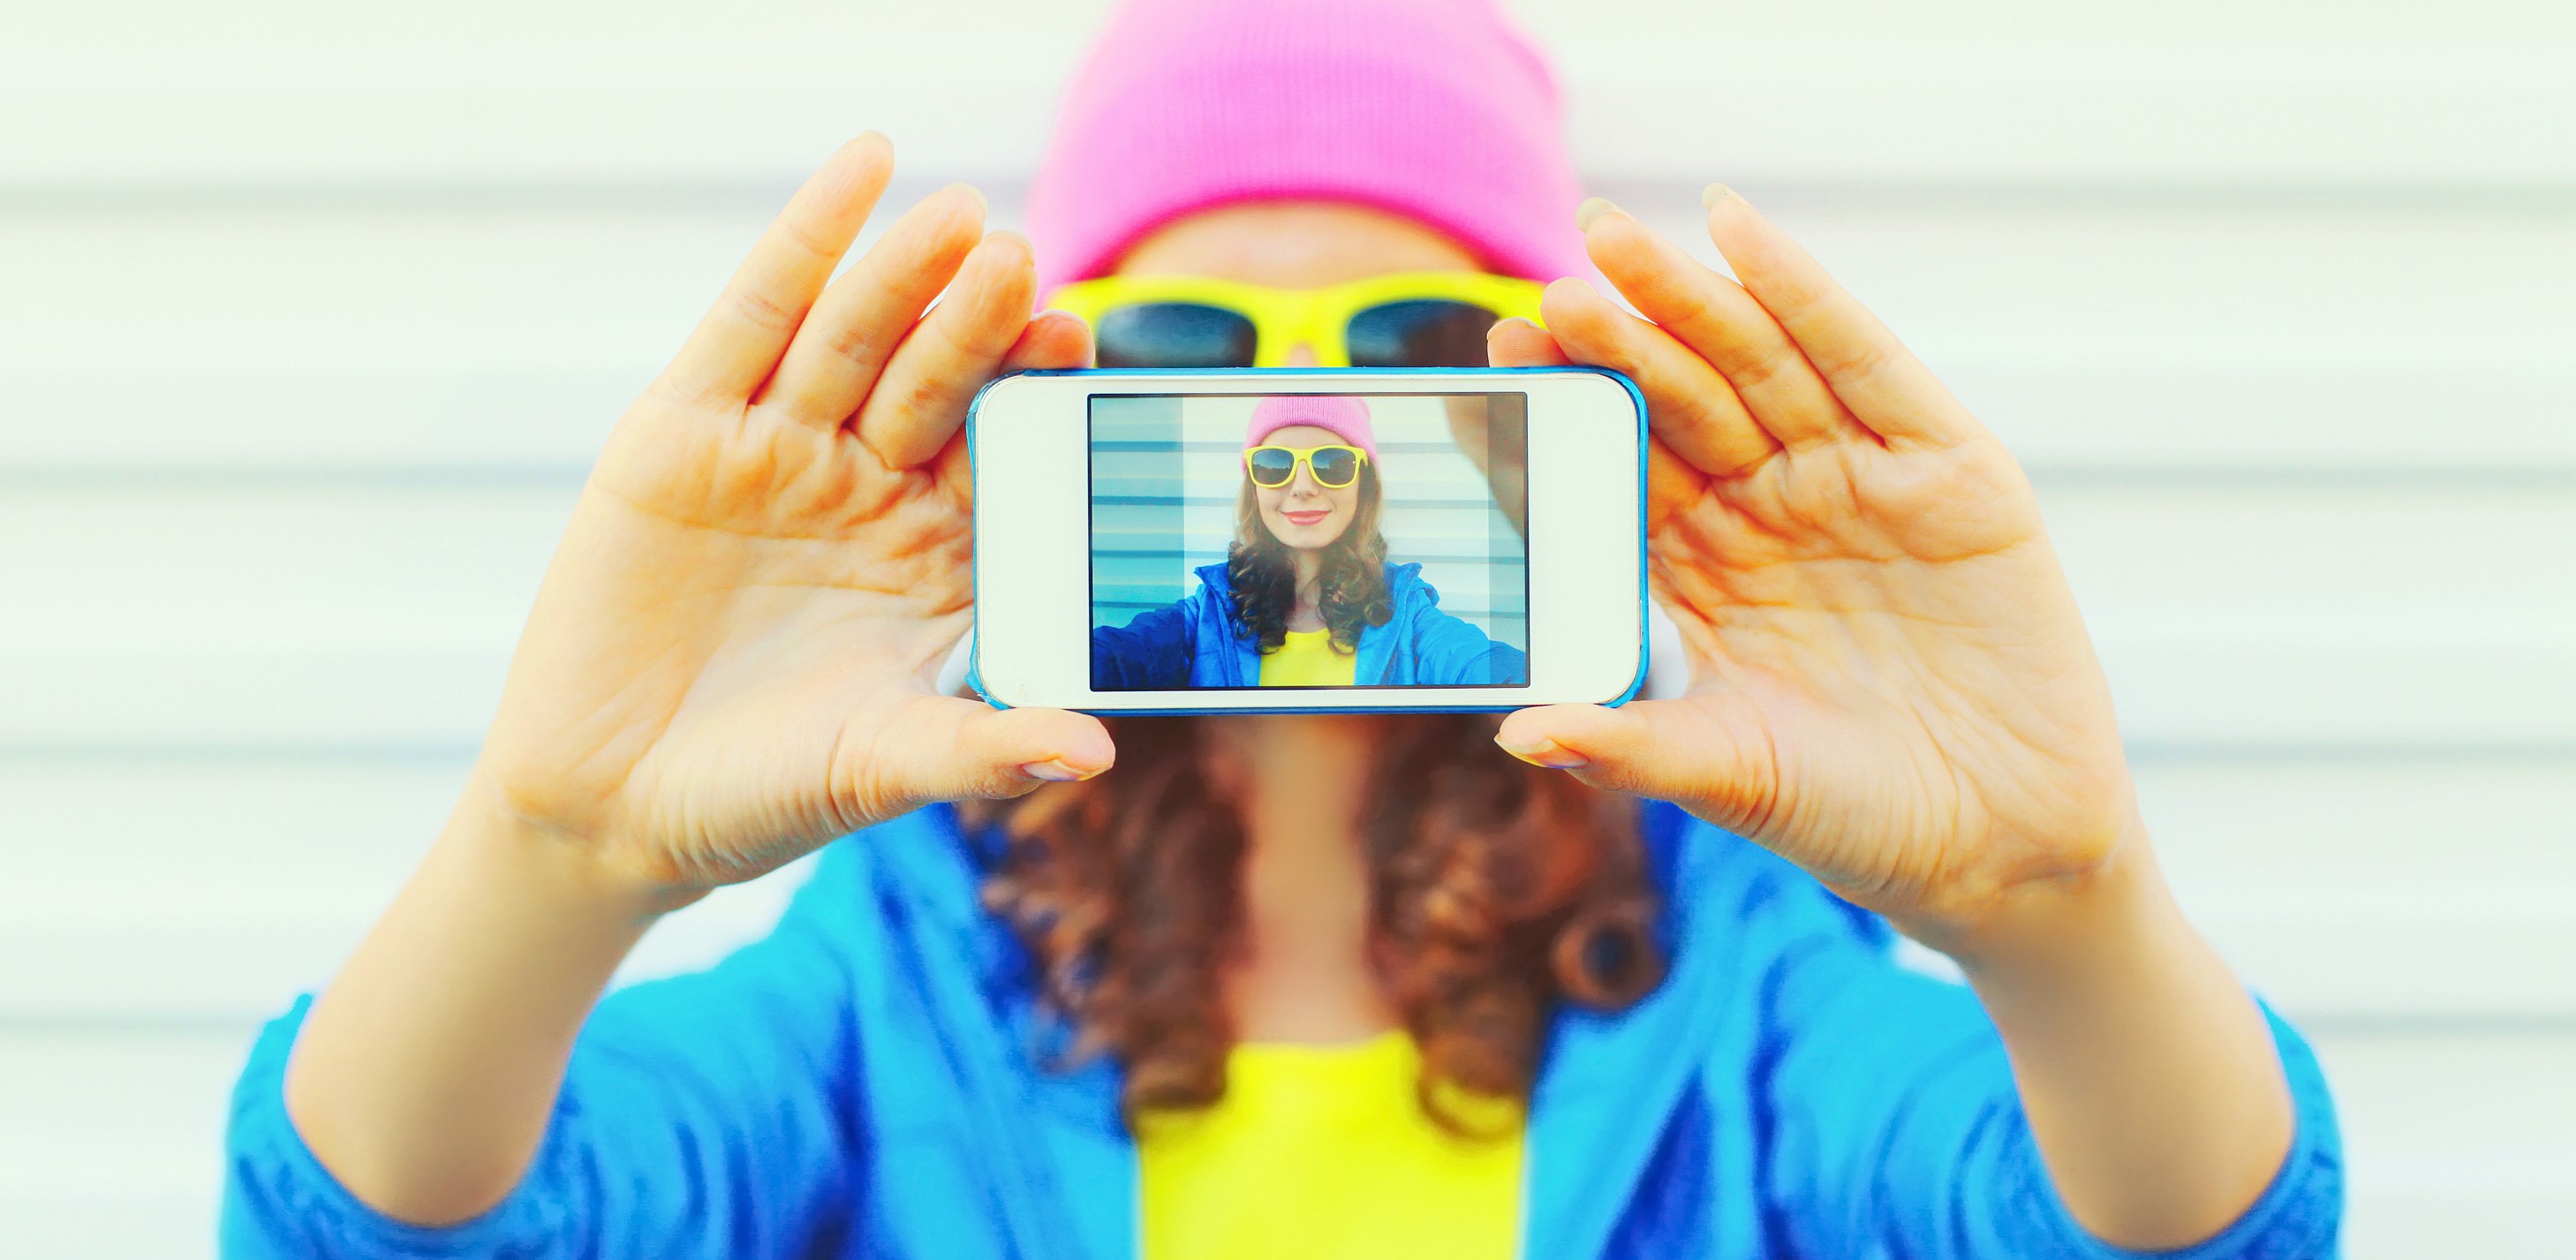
x,y
731,660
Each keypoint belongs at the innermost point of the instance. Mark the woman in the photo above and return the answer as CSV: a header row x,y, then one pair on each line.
x,y
1306,596
1291,985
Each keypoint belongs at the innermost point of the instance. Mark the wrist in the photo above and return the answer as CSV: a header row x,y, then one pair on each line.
x,y
425,1072
2146,1072
2068,924
487,833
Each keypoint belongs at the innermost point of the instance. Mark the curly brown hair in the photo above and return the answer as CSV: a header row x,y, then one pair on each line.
x,y
1496,891
1263,572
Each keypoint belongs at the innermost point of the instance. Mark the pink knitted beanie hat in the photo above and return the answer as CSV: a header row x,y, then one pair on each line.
x,y
1434,109
1346,418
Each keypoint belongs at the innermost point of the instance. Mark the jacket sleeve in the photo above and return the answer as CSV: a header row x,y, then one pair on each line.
x,y
1152,652
705,1115
1449,652
1897,1129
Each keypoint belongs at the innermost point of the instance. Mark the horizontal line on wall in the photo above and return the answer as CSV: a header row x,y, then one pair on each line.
x,y
1144,446
1196,558
2250,198
425,753
139,1023
1227,501
218,195
2214,753
1007,189
1115,615
2156,753
2542,477
2352,1025
426,477
2532,477
2401,1025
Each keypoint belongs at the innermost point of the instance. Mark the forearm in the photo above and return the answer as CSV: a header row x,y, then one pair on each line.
x,y
2147,1071
424,1075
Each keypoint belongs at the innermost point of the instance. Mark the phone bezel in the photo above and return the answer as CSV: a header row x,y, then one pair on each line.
x,y
1587,586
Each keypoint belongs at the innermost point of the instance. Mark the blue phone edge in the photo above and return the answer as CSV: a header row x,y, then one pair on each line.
x,y
974,654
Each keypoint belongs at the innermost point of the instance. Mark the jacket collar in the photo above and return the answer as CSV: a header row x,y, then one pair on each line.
x,y
1609,1080
1374,656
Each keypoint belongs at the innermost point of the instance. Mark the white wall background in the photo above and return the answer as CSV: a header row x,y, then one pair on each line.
x,y
311,315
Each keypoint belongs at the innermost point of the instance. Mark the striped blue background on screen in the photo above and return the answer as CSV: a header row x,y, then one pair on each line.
x,y
1162,506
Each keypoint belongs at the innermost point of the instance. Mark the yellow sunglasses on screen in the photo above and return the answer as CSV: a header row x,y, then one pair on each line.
x,y
1408,319
1333,467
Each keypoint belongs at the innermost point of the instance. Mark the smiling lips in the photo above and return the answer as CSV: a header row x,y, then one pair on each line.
x,y
1307,518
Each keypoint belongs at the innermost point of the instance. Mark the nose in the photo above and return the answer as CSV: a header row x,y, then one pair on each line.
x,y
1302,355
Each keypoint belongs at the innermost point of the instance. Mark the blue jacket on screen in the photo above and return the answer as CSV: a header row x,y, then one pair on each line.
x,y
865,1082
1200,641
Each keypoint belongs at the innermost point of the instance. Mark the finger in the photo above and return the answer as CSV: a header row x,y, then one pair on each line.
x,y
1693,752
1519,343
843,346
1690,406
1879,381
738,342
1722,323
1055,340
1671,483
920,400
945,748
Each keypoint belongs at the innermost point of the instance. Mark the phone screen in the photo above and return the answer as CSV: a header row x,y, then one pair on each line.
x,y
1309,541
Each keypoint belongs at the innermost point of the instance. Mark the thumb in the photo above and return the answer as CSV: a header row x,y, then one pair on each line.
x,y
1517,342
1685,751
943,748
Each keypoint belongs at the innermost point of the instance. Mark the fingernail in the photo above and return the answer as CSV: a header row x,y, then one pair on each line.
x,y
1053,772
1013,241
1713,194
977,194
1593,208
1546,753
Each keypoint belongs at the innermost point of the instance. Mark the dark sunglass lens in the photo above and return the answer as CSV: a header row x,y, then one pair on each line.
x,y
1272,466
1429,332
1335,468
1173,335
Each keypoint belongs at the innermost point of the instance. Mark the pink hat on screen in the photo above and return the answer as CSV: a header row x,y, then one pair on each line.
x,y
1346,418
1435,109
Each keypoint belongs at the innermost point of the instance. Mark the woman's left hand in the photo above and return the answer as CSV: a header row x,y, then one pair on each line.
x,y
1892,686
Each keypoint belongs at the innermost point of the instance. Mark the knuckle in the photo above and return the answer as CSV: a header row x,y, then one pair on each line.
x,y
980,330
861,342
928,394
803,236
1689,306
670,390
1859,362
1750,372
749,304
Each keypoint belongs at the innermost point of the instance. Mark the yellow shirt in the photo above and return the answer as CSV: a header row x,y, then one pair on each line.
x,y
1323,1153
1307,659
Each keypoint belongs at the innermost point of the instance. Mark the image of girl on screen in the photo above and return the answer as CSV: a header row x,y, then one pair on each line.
x,y
1306,596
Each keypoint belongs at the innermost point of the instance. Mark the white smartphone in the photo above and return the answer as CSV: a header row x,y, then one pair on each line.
x,y
1303,540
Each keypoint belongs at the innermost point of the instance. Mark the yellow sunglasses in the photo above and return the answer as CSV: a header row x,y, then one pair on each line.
x,y
1333,467
1408,319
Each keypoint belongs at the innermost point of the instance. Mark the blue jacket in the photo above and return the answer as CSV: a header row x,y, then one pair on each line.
x,y
1201,642
861,1083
